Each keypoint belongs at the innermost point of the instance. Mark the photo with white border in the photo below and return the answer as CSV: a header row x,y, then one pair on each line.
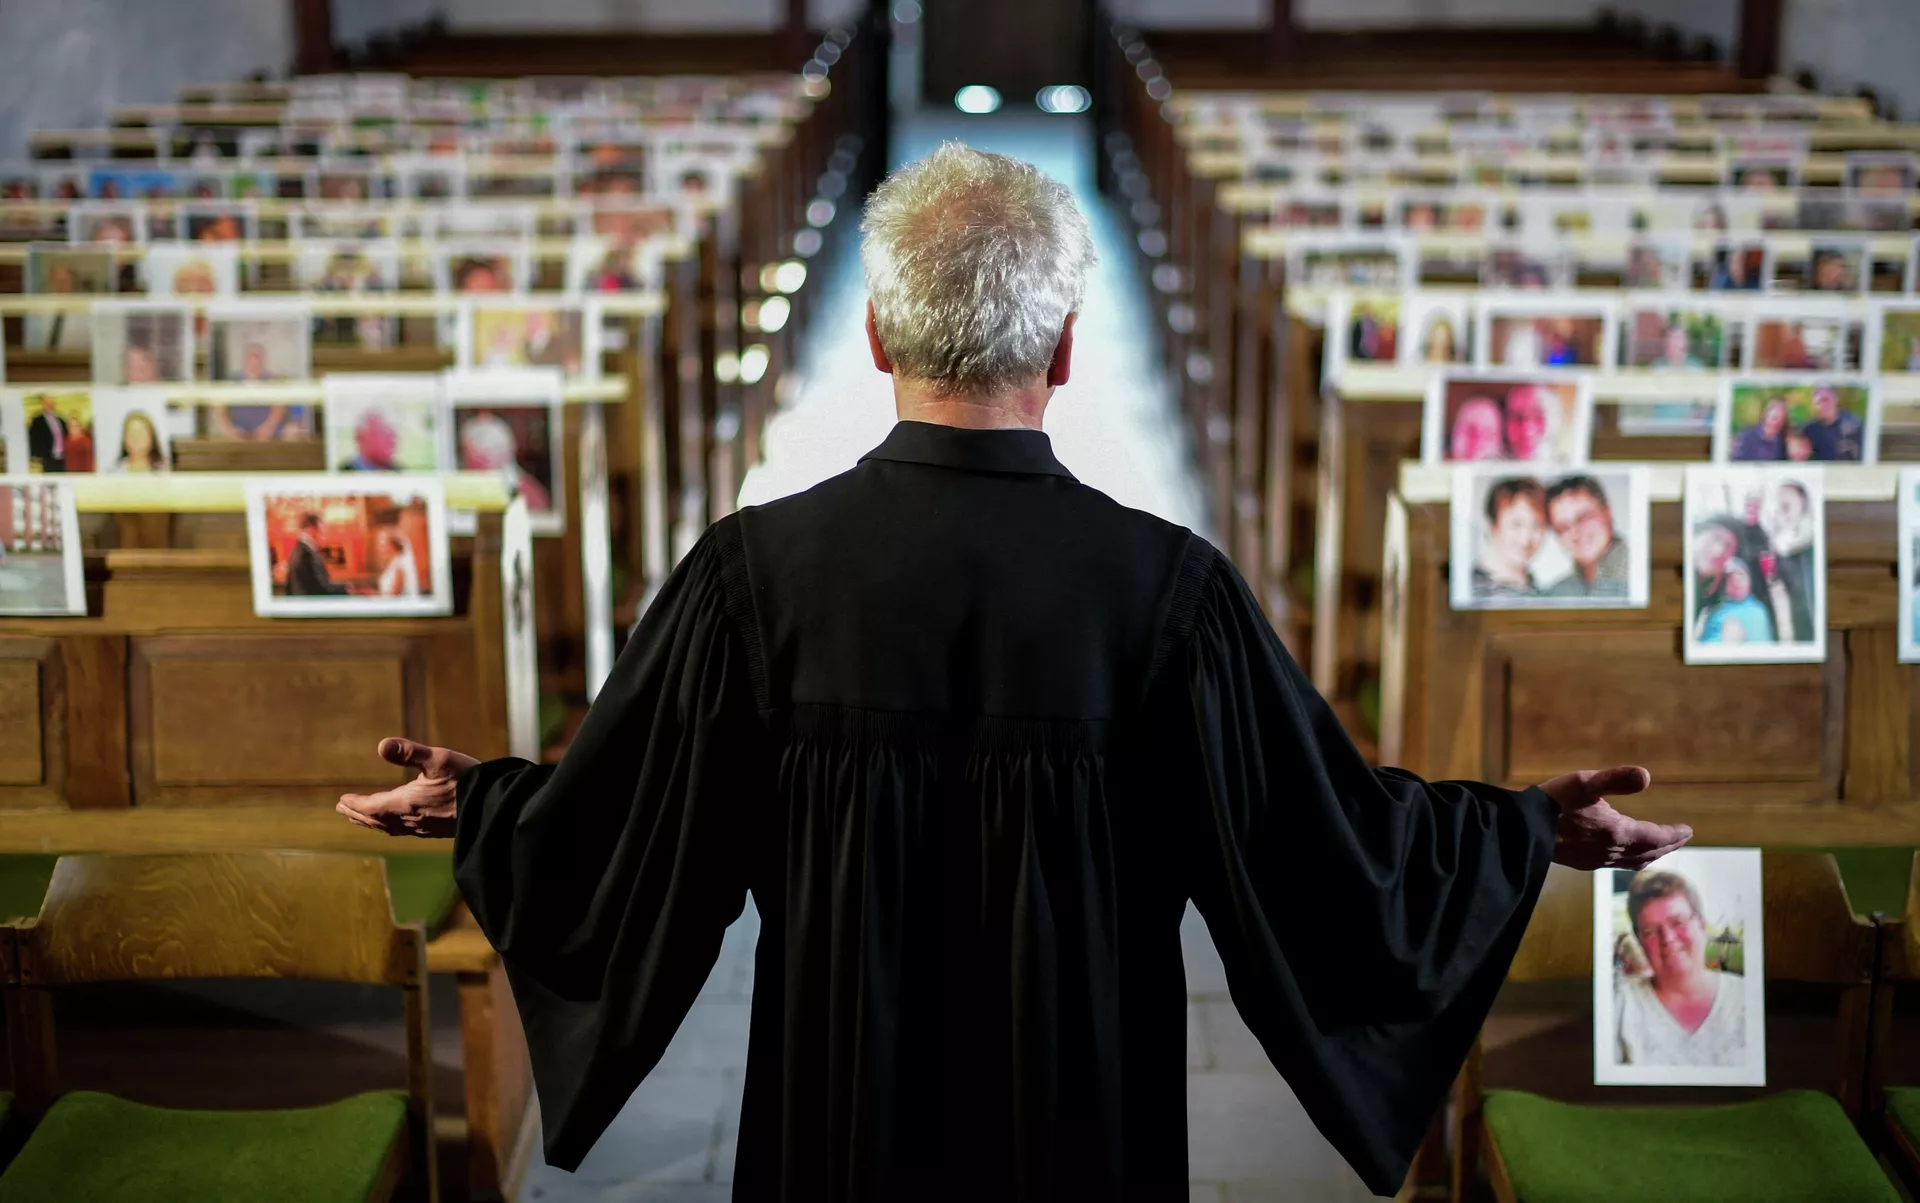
x,y
333,546
1754,544
1572,539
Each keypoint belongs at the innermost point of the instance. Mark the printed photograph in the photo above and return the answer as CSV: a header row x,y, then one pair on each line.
x,y
1899,349
1755,575
1653,264
332,548
1439,214
131,183
1881,172
1833,209
216,223
41,572
136,343
522,335
264,343
59,428
1363,329
1735,267
1549,541
1668,335
1763,175
1364,265
132,430
1836,267
181,271
512,422
1511,417
108,225
379,423
1805,341
1564,332
13,434
1679,973
345,222
1524,268
632,222
596,265
470,270
349,267
1441,329
56,270
1821,421
1909,561
1311,213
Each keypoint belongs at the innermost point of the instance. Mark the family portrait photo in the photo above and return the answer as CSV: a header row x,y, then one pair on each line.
x,y
1571,540
1755,576
330,548
1513,417
1561,332
1440,329
1792,418
383,423
41,572
512,422
1362,329
1679,971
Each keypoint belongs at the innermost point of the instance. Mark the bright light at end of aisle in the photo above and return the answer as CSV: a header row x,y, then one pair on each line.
x,y
1064,98
976,98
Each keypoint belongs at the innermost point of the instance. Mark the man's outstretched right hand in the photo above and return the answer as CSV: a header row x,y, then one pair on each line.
x,y
1593,835
424,806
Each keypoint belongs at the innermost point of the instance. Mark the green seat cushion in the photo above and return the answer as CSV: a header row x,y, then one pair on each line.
x,y
102,1149
1903,1108
421,884
1789,1147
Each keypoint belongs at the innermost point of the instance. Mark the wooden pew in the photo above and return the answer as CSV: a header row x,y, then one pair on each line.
x,y
1777,754
144,727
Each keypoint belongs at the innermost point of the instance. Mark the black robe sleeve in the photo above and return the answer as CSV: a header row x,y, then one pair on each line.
x,y
606,882
1365,917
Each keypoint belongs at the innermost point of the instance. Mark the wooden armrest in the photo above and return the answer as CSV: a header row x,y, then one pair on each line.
x,y
461,947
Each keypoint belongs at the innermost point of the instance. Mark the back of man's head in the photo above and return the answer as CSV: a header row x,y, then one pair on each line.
x,y
973,262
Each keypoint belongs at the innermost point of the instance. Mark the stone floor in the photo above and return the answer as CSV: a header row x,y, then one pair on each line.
x,y
1115,426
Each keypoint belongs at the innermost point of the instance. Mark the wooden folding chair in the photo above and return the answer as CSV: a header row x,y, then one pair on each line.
x,y
1784,1147
311,916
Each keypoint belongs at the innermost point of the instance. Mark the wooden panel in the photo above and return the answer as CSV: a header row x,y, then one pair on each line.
x,y
22,757
265,716
1623,696
93,726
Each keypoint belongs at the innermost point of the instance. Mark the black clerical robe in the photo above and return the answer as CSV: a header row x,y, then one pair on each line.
x,y
972,734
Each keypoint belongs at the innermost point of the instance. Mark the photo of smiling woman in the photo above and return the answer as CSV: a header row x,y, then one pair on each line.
x,y
1575,540
1676,945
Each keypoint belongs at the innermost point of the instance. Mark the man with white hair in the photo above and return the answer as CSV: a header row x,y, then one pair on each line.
x,y
487,445
972,735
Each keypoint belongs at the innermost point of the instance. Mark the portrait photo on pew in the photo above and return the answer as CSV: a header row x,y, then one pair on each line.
x,y
1804,336
328,547
140,342
1549,540
1825,266
1908,502
511,421
13,434
1755,571
131,431
1896,328
258,342
1362,329
1558,331
107,223
504,333
1679,972
182,270
1533,266
41,571
1543,418
1336,261
384,422
59,427
55,269
1734,265
1440,329
231,222
353,269
1827,419
1881,172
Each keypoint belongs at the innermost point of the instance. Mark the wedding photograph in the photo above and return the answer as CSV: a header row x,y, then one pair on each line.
x,y
330,548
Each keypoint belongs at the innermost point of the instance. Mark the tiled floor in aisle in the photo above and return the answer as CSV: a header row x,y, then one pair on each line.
x,y
1116,427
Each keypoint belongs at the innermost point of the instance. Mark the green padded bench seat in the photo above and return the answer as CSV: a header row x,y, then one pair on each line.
x,y
101,1149
1903,1109
421,884
1876,878
1796,1146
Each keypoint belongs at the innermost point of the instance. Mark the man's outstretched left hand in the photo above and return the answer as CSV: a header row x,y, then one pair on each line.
x,y
424,806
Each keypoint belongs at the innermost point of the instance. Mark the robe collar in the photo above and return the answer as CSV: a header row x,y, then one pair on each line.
x,y
1018,452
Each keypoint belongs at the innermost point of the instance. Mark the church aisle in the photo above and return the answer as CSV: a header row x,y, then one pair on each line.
x,y
1116,427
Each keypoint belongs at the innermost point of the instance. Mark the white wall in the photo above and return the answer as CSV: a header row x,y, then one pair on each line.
x,y
64,63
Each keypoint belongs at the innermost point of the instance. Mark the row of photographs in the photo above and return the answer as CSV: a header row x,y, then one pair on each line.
x,y
1502,109
1754,553
113,223
319,546
137,342
1562,212
1546,418
507,421
1844,266
1594,330
1283,160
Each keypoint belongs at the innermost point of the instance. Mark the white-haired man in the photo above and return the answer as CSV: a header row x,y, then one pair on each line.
x,y
972,735
487,445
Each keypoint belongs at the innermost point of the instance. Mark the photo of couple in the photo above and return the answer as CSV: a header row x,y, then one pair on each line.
x,y
1755,566
1570,541
1509,417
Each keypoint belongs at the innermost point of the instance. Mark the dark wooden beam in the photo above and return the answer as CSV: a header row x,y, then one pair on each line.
x,y
1283,36
313,36
1760,24
795,38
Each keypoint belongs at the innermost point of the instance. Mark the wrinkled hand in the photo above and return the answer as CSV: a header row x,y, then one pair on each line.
x,y
1593,835
423,806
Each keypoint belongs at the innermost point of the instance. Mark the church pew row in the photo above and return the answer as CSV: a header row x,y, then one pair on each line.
x,y
172,718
